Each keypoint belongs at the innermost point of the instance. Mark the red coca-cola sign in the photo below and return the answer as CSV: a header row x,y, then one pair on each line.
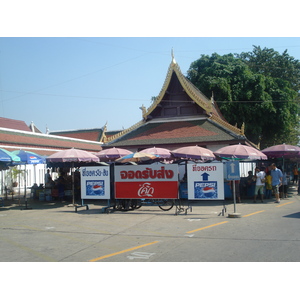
x,y
146,181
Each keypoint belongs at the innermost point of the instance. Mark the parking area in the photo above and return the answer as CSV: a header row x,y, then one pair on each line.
x,y
54,232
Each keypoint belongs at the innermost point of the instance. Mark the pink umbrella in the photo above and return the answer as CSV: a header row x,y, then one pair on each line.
x,y
283,150
240,152
72,155
161,152
112,153
194,152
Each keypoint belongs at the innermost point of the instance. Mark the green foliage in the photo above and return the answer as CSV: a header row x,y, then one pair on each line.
x,y
258,88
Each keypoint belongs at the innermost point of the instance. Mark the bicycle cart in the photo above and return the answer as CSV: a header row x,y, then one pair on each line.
x,y
131,204
163,204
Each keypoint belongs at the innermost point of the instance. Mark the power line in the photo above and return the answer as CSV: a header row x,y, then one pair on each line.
x,y
74,96
127,99
72,79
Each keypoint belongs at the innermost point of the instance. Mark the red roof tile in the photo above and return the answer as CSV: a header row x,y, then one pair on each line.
x,y
174,130
88,135
21,139
94,134
13,124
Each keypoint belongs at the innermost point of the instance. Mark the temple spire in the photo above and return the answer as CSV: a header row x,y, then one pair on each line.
x,y
173,58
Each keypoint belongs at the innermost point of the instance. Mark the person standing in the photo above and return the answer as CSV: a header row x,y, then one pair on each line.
x,y
298,183
283,187
276,180
268,185
47,177
259,187
250,184
284,184
295,174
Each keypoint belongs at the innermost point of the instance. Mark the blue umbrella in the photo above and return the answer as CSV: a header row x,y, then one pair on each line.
x,y
137,157
8,157
28,157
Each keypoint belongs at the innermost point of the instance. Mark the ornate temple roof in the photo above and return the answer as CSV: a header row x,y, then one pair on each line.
x,y
172,134
179,115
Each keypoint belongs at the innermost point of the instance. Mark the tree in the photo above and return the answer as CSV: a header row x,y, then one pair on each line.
x,y
258,88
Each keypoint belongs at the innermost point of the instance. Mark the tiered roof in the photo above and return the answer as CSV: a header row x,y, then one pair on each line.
x,y
180,116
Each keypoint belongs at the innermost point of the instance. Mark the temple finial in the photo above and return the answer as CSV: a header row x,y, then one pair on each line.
x,y
173,58
212,97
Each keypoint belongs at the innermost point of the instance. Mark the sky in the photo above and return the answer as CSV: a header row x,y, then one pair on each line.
x,y
64,79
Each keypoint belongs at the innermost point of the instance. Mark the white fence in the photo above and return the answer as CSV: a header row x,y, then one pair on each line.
x,y
34,174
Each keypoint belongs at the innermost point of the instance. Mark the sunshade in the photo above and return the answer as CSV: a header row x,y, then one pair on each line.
x,y
194,152
161,152
240,152
112,153
282,150
70,158
28,157
137,157
72,155
7,156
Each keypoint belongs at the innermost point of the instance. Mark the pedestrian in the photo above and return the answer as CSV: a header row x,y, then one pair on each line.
x,y
260,184
47,177
268,185
276,181
284,186
298,182
250,184
61,185
295,175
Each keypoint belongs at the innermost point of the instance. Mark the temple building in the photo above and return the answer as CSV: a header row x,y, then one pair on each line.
x,y
15,135
180,116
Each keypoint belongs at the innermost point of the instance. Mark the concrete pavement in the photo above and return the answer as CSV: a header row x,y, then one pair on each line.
x,y
54,232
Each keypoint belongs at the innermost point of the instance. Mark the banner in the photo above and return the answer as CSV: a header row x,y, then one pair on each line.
x,y
146,181
95,182
205,181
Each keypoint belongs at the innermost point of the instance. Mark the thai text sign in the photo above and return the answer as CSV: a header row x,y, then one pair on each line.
x,y
146,181
205,181
95,182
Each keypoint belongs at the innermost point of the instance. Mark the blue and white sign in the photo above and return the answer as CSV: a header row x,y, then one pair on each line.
x,y
232,170
205,181
95,182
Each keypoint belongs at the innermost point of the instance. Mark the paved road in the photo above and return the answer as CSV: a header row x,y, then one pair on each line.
x,y
266,232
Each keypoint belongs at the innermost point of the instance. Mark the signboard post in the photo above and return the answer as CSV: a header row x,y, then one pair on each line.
x,y
233,173
205,181
146,182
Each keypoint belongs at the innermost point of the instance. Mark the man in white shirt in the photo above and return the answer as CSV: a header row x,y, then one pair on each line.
x,y
47,177
259,187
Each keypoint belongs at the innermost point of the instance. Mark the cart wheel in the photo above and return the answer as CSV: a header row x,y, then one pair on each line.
x,y
136,203
119,205
166,204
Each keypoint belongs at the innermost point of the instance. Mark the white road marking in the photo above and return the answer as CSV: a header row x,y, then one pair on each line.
x,y
140,255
